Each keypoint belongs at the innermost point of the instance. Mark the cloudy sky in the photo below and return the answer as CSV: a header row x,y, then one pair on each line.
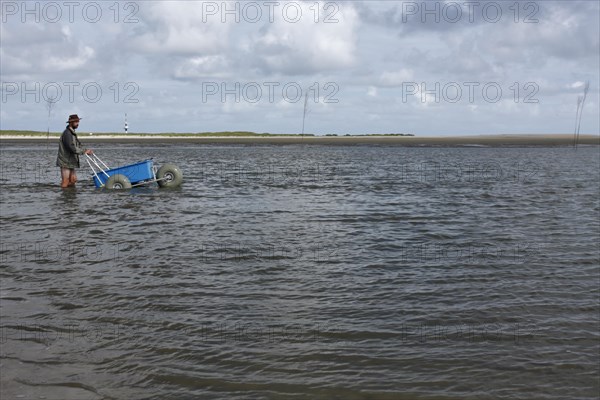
x,y
427,68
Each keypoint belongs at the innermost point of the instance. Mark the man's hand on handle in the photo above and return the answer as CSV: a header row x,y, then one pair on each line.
x,y
89,152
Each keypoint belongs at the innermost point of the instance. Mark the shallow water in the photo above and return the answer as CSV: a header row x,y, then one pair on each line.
x,y
322,272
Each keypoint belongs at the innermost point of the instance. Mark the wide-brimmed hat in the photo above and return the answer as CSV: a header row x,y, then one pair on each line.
x,y
72,118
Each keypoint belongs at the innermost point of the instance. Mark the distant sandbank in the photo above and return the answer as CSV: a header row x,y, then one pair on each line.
x,y
483,140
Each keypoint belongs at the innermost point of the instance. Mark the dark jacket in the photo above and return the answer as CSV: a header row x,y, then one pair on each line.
x,y
69,149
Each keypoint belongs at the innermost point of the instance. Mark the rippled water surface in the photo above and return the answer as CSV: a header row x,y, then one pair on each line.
x,y
321,272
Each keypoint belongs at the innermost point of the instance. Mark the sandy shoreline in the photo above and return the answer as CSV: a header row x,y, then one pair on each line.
x,y
487,140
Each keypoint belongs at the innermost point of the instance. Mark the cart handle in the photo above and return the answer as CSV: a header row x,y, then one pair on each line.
x,y
97,161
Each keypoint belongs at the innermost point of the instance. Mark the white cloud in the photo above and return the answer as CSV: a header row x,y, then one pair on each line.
x,y
215,66
76,61
305,46
66,31
180,28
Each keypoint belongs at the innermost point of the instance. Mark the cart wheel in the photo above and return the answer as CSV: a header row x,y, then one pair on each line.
x,y
172,176
117,181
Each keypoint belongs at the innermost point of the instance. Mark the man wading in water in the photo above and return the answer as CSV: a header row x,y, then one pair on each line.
x,y
69,149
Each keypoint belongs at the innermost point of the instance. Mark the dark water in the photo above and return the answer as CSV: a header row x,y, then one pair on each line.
x,y
316,272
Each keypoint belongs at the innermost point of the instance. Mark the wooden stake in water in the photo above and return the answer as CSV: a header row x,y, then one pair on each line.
x,y
50,103
580,103
306,111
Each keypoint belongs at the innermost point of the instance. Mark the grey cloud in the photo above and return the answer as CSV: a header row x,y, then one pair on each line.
x,y
35,49
415,17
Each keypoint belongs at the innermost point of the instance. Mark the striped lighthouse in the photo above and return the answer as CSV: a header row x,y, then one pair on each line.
x,y
125,122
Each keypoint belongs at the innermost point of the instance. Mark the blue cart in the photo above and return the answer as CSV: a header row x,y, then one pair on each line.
x,y
132,175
